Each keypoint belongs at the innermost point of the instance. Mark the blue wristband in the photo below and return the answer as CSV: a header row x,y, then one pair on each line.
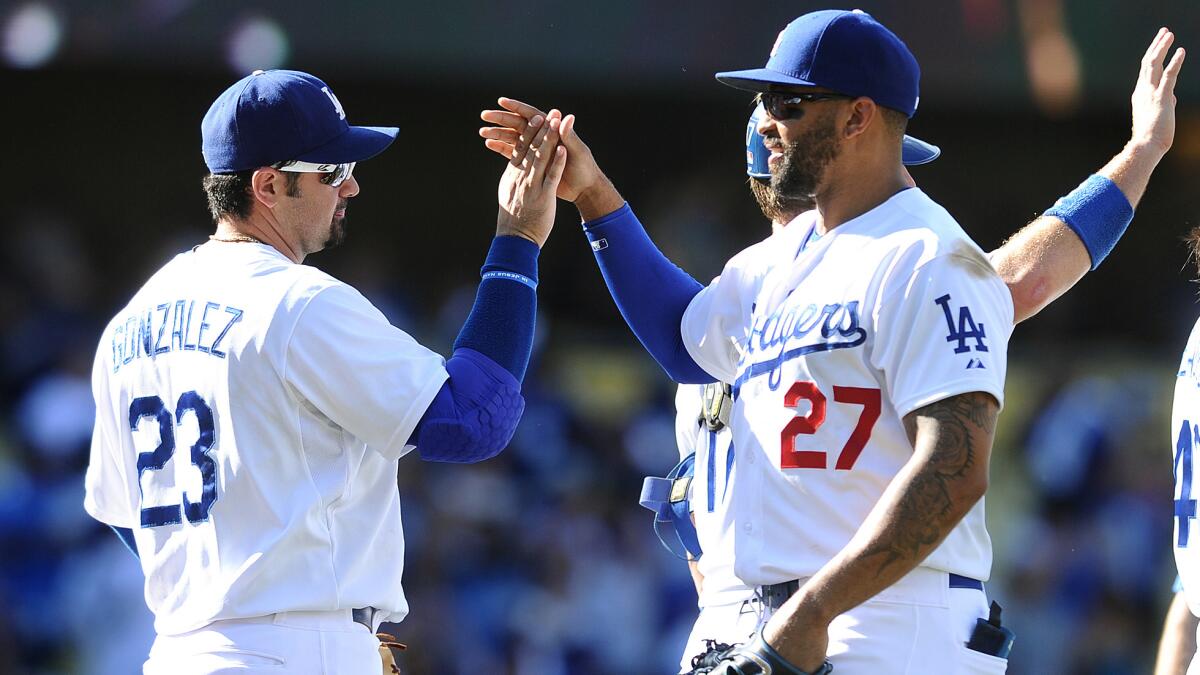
x,y
1098,212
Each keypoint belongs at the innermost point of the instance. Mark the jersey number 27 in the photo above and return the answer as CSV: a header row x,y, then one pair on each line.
x,y
791,458
152,407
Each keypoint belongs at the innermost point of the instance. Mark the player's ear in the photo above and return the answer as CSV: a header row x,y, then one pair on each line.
x,y
861,114
267,186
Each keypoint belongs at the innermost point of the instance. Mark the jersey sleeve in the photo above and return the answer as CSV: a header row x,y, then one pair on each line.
x,y
943,331
715,325
110,495
367,376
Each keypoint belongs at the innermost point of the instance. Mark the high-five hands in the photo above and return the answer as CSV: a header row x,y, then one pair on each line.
x,y
583,182
531,179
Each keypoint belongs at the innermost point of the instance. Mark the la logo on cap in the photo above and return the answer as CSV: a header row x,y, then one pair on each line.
x,y
337,105
778,39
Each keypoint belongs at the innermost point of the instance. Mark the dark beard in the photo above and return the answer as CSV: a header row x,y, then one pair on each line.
x,y
775,208
799,173
337,230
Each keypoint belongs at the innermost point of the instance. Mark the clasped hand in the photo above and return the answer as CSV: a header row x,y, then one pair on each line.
x,y
531,179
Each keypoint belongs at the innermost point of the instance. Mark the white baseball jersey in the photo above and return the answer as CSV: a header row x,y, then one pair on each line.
x,y
1185,436
249,415
844,336
714,475
710,491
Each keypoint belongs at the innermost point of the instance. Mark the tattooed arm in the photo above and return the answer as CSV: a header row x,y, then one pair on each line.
x,y
946,476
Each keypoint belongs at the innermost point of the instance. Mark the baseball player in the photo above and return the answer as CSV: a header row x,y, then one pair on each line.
x,y
867,364
251,409
1185,439
728,613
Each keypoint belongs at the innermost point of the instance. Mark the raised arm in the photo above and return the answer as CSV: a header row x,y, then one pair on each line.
x,y
1049,255
648,289
474,414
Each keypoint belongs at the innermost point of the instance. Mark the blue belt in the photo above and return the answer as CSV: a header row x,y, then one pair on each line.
x,y
775,595
959,581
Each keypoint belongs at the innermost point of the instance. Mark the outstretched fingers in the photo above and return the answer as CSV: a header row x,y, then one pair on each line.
x,y
525,138
528,153
555,172
545,151
1152,61
1171,72
523,109
500,148
503,118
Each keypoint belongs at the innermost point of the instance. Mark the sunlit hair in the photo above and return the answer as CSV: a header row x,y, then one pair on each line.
x,y
1192,239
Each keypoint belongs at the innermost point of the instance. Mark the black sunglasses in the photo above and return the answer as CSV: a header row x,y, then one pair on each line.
x,y
785,105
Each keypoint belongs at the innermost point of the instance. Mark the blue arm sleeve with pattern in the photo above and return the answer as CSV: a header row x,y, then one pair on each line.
x,y
651,292
475,413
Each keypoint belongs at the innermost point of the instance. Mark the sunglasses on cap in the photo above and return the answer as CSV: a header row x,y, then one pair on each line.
x,y
785,105
336,174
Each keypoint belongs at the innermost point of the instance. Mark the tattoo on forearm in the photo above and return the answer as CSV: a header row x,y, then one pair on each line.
x,y
922,518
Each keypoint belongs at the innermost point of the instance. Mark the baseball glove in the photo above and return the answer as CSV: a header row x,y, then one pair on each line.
x,y
386,644
753,658
714,653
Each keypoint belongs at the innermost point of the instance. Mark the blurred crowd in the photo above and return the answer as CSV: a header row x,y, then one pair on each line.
x,y
540,562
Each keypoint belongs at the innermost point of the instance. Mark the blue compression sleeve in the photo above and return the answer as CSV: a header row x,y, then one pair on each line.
x,y
650,291
1098,212
500,325
474,414
126,535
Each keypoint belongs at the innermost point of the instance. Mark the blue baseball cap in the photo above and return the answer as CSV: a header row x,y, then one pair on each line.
x,y
274,116
914,152
846,52
917,151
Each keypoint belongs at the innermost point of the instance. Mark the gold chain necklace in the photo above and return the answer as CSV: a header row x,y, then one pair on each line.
x,y
236,238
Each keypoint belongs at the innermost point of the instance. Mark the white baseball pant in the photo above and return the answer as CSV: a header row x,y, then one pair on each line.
x,y
301,643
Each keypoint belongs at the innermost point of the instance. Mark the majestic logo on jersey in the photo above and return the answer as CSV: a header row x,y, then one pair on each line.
x,y
794,331
965,329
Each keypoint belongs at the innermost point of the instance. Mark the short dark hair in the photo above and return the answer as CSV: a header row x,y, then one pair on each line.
x,y
229,193
896,121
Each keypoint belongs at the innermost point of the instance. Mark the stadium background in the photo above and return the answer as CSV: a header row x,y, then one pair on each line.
x,y
540,561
